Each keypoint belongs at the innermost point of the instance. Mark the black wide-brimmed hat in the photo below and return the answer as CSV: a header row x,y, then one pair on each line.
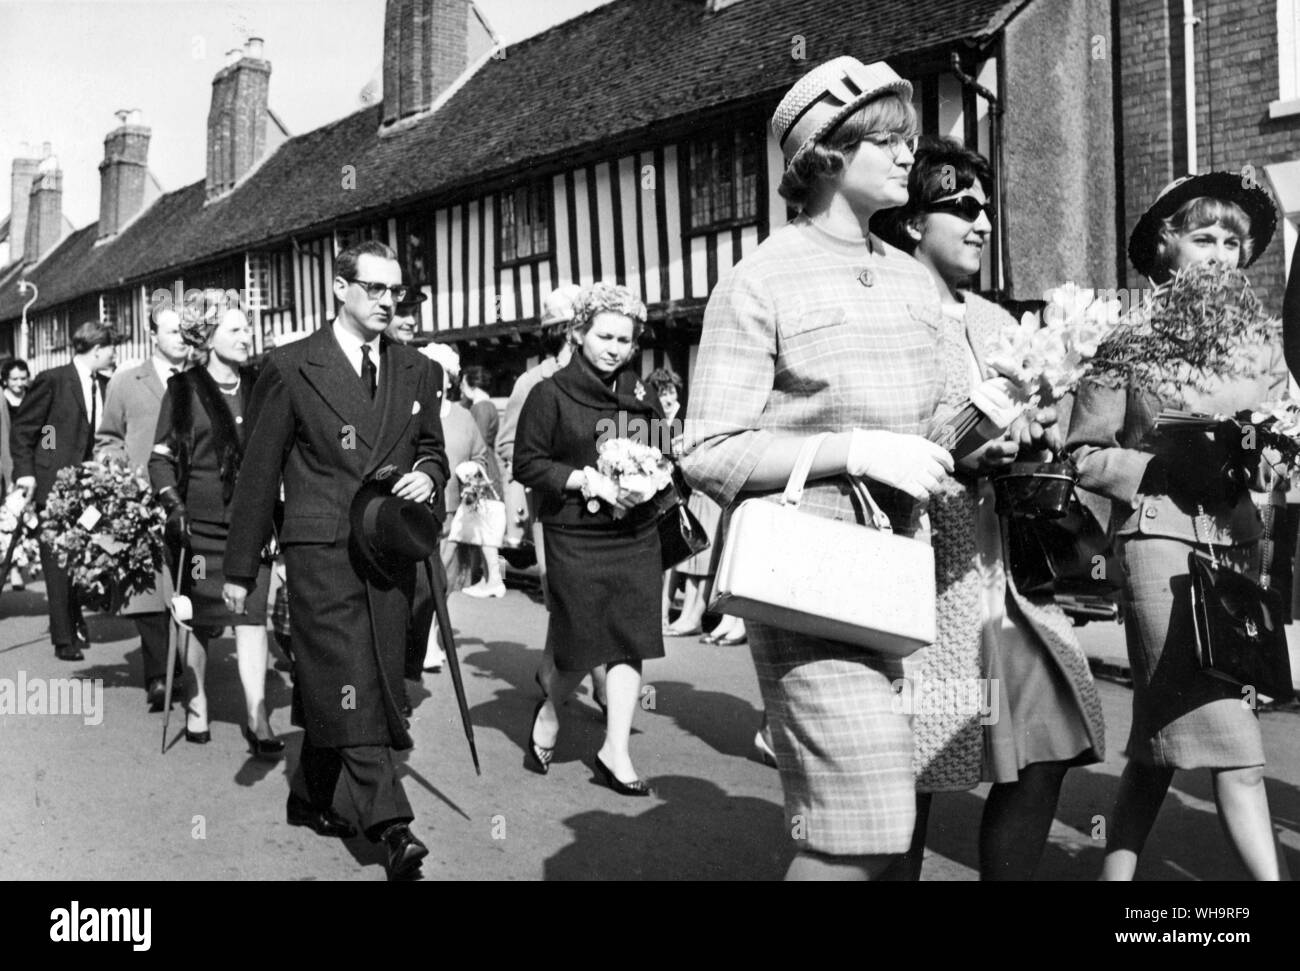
x,y
414,297
390,533
1236,187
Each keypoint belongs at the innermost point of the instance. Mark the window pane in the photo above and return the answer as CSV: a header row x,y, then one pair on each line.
x,y
506,202
747,166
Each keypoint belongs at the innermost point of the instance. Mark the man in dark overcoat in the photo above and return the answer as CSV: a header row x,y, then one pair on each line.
x,y
328,412
53,429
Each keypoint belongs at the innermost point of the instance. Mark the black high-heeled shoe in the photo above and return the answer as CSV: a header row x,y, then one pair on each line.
x,y
261,747
635,788
541,756
198,738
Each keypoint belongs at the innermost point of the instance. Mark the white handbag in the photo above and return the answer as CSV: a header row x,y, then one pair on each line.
x,y
479,524
825,577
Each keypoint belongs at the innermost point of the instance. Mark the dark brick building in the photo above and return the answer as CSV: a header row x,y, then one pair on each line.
x,y
1245,89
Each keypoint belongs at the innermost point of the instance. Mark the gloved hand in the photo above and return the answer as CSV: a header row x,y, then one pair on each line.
x,y
999,400
1211,468
1241,465
177,530
910,463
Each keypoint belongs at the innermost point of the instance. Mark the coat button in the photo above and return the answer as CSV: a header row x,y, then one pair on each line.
x,y
1151,512
867,278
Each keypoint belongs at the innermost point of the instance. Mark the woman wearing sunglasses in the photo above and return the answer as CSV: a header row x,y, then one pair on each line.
x,y
1048,715
1182,717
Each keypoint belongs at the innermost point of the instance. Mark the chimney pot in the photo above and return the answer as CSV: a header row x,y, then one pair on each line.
x,y
253,47
45,149
237,119
122,115
136,117
233,55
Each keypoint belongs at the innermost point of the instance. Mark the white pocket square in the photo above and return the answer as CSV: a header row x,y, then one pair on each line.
x,y
415,407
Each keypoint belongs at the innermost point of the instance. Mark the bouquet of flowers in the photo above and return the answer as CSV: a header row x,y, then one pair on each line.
x,y
1047,358
631,467
475,485
1277,426
18,511
1189,331
106,530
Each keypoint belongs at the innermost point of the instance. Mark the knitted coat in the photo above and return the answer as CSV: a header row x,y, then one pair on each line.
x,y
1046,619
949,736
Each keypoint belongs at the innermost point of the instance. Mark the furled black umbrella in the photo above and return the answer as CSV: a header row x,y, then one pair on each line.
x,y
438,586
171,583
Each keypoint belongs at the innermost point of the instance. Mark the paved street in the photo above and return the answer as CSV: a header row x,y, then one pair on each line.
x,y
99,802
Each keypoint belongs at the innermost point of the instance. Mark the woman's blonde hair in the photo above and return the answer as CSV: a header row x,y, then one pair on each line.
x,y
611,298
827,157
1196,214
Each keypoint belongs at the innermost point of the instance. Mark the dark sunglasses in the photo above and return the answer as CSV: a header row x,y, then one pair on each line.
x,y
967,208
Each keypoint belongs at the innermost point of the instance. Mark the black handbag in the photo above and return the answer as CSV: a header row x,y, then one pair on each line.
x,y
1238,623
681,535
1071,555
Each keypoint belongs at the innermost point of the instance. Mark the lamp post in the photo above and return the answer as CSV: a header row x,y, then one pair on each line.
x,y
24,350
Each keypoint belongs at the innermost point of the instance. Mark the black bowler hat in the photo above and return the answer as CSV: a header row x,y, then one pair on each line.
x,y
389,532
1252,197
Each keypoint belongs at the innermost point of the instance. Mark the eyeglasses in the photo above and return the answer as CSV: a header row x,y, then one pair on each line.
x,y
376,291
893,141
967,208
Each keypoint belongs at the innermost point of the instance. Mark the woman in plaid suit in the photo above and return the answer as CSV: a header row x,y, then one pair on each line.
x,y
825,328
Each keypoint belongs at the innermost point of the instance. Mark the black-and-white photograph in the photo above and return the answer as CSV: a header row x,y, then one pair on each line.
x,y
647,440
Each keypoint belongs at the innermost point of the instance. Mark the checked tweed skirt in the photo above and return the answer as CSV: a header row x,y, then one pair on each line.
x,y
843,747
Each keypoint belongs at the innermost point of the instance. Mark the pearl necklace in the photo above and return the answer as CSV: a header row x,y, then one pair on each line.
x,y
233,391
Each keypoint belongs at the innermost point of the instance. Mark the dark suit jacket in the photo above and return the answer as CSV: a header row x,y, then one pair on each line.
x,y
314,426
51,429
202,441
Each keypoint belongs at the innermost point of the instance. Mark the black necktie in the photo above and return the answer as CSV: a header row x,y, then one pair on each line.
x,y
94,404
369,373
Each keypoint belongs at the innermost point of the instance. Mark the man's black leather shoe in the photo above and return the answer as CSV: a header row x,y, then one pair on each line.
x,y
154,692
404,852
325,822
69,652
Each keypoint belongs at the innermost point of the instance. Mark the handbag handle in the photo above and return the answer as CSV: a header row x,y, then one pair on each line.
x,y
794,487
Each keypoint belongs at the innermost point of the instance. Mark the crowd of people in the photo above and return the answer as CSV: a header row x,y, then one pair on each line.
x,y
855,322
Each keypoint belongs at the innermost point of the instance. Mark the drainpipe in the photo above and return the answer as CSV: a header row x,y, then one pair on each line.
x,y
995,134
1190,20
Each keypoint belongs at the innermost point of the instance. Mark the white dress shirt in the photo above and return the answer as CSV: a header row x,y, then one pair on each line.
x,y
165,368
351,345
90,393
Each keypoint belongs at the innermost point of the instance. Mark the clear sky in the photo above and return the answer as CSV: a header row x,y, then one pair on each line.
x,y
67,66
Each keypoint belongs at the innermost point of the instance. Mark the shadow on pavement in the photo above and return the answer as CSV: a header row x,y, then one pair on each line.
x,y
692,830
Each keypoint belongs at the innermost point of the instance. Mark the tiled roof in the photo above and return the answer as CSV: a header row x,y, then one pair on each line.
x,y
616,70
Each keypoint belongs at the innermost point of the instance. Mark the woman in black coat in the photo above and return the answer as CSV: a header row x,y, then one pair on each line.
x,y
200,437
603,572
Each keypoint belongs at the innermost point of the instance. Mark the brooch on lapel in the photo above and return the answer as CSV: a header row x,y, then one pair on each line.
x,y
867,278
415,407
640,391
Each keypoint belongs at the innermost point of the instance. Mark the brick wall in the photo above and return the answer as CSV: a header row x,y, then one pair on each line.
x,y
122,177
1236,78
426,45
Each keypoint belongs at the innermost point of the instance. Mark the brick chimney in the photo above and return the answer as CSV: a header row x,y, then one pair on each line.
x,y
123,173
428,44
20,185
237,117
44,209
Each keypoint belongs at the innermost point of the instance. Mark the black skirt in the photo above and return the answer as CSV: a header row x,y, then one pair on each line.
x,y
208,540
605,587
